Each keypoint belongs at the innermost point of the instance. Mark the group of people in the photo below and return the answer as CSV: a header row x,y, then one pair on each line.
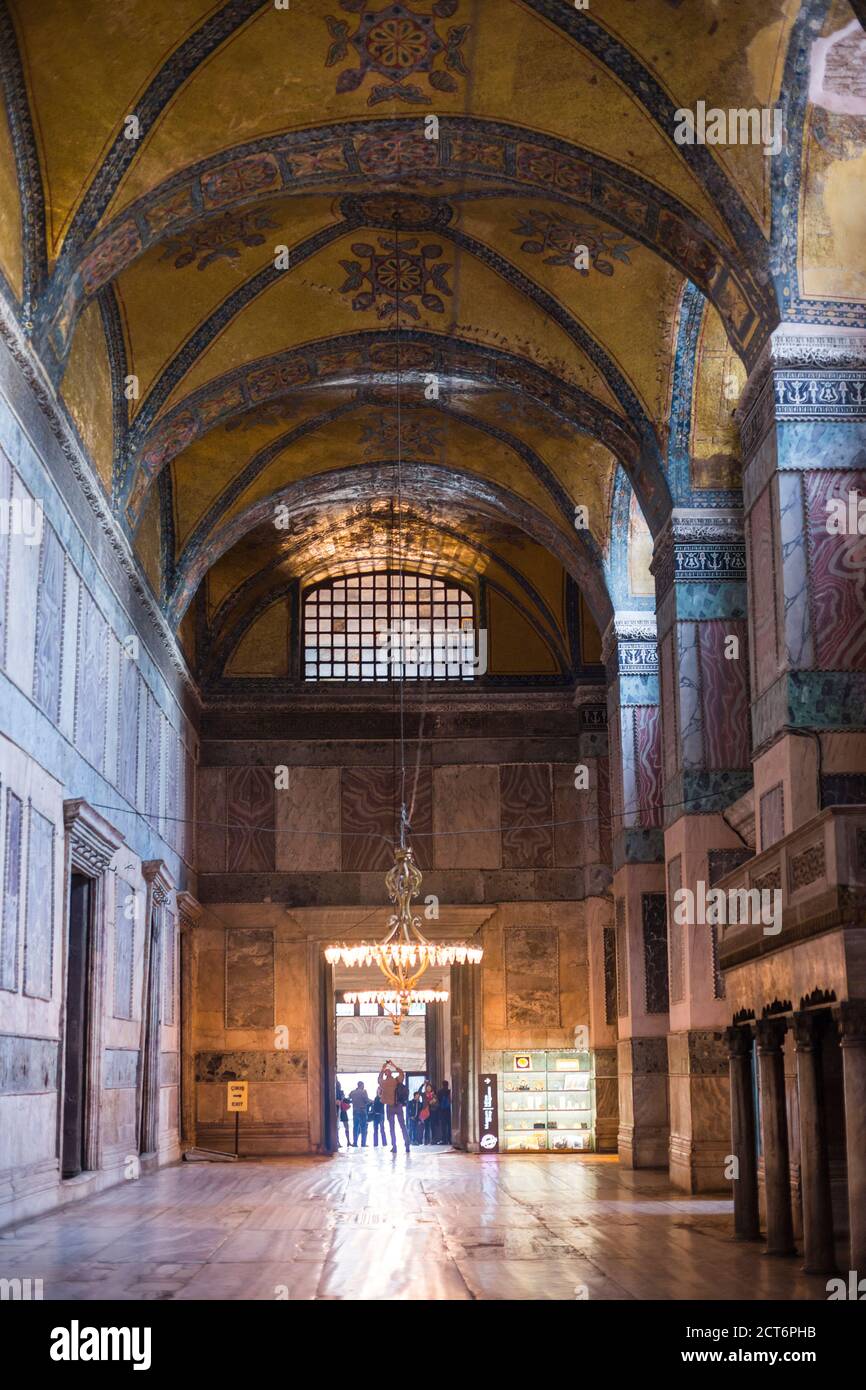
x,y
429,1111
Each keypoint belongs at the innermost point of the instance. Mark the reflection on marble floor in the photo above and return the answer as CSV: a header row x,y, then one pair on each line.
x,y
366,1225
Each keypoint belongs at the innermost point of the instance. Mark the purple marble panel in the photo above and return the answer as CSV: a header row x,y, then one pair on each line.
x,y
210,830
49,625
250,813
526,815
91,686
762,592
10,912
369,817
724,695
648,764
39,917
837,573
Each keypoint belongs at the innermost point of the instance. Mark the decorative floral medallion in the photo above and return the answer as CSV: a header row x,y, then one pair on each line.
x,y
396,212
380,437
217,236
553,233
395,276
398,43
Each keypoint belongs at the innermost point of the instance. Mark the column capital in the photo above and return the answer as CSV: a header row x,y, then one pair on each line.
x,y
739,1040
629,644
189,910
851,1018
806,1030
771,1035
804,371
699,546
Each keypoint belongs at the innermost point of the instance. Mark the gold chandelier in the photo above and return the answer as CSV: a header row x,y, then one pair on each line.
x,y
404,953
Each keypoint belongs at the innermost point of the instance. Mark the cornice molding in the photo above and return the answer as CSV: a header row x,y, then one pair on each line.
x,y
802,347
158,877
93,841
189,910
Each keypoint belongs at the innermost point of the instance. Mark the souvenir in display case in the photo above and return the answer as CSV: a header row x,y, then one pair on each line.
x,y
547,1102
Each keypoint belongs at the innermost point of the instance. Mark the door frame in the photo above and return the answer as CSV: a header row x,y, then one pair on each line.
x,y
91,843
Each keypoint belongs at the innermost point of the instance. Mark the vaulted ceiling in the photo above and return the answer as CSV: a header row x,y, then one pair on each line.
x,y
242,222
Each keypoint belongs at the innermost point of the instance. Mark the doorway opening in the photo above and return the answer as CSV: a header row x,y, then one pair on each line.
x,y
77,1027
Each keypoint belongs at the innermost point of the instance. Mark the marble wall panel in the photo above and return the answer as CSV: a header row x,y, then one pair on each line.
x,y
124,950
762,592
526,815
655,951
49,625
10,908
836,568
152,760
210,831
250,817
772,816
39,913
648,764
465,814
308,820
22,588
119,1068
369,817
610,975
249,979
5,495
127,728
28,1066
676,932
91,687
724,696
532,976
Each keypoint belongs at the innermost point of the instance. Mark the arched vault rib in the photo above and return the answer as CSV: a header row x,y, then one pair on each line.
x,y
265,456
378,153
370,358
421,484
270,276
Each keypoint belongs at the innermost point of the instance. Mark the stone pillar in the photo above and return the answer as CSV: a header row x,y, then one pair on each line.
x,y
189,910
852,1024
601,957
814,1159
637,941
774,1136
802,419
743,1135
699,568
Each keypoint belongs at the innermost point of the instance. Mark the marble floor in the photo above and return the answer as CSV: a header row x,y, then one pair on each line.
x,y
365,1225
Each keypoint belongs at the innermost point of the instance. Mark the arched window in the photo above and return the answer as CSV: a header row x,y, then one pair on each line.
x,y
387,626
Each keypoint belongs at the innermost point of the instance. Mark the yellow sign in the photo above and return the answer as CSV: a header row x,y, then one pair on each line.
x,y
522,1063
237,1095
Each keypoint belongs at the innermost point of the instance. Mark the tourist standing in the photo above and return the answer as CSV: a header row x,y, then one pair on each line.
x,y
360,1103
377,1112
342,1113
443,1095
393,1091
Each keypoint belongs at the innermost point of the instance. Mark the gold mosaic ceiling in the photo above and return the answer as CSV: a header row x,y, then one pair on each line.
x,y
260,215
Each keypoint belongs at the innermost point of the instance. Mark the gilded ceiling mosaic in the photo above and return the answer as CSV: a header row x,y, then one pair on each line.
x,y
262,218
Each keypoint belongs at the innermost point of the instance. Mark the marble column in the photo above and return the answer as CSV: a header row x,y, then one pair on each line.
x,y
852,1024
637,939
814,1158
743,1136
701,609
774,1136
802,428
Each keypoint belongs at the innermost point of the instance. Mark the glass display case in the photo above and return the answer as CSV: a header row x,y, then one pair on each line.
x,y
547,1102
